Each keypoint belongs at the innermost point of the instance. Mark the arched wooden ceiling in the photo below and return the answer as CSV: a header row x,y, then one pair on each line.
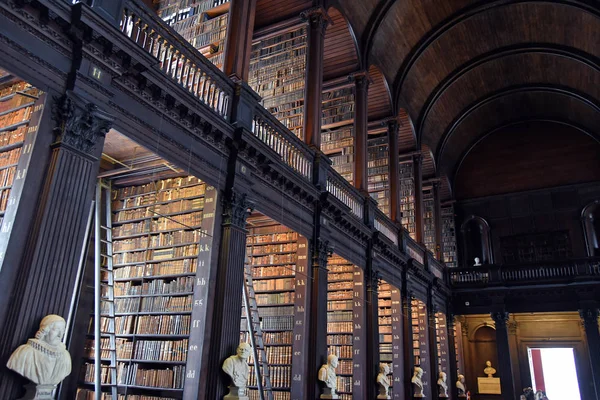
x,y
269,12
407,140
379,100
464,68
340,53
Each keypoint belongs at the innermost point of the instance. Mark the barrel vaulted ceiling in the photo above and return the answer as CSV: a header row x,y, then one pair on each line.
x,y
465,68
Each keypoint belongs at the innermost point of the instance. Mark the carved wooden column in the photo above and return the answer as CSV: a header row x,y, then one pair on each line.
x,y
433,356
361,132
239,39
393,162
227,299
505,365
513,341
47,274
409,359
452,356
437,221
317,347
589,317
372,304
418,176
313,97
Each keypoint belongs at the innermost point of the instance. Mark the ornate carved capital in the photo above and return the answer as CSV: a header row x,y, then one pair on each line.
x,y
322,252
372,277
236,210
317,18
79,125
589,316
361,79
512,327
500,318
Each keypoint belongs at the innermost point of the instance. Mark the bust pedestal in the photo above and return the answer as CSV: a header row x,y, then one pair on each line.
x,y
38,392
383,395
329,393
236,393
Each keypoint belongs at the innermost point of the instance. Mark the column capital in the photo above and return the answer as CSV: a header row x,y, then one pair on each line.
x,y
322,252
417,157
589,315
500,318
361,79
317,17
392,123
236,210
79,124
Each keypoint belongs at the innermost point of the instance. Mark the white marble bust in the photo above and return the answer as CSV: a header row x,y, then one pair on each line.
x,y
489,370
460,385
383,381
477,262
237,368
43,360
417,383
442,386
327,375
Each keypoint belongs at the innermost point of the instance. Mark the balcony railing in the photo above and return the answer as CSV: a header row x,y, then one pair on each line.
x,y
177,58
293,151
499,275
436,267
415,251
384,225
345,192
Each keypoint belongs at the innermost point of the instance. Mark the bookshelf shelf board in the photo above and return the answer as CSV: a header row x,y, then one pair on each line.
x,y
174,294
14,126
278,344
338,280
275,365
274,264
274,387
134,235
8,166
162,389
129,264
339,124
272,252
341,332
274,291
274,242
339,290
106,385
11,146
156,216
275,330
171,259
16,108
139,361
7,97
263,278
159,191
149,335
276,305
134,250
117,314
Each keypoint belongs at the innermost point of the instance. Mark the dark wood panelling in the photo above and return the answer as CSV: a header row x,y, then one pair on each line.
x,y
379,102
428,162
269,12
340,55
358,12
511,108
528,156
406,133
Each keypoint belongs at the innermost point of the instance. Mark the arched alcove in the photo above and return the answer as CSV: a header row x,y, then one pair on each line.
x,y
475,232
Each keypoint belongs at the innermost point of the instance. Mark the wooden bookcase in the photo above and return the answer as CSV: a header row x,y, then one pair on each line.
x,y
278,73
441,336
429,220
279,259
21,108
390,342
378,172
202,23
407,197
449,236
420,342
337,137
161,236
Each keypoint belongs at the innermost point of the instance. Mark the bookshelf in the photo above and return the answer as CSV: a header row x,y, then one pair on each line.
x,y
160,257
441,336
420,340
338,108
429,220
449,236
277,74
202,23
378,172
407,197
279,259
390,342
21,108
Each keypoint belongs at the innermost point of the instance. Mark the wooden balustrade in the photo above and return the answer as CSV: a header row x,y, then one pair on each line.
x,y
345,192
384,225
436,267
178,59
292,150
415,251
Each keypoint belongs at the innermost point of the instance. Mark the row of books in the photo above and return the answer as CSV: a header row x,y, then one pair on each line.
x,y
21,86
337,327
10,157
276,355
11,137
255,395
275,259
85,394
161,350
154,304
155,286
184,221
166,196
273,237
267,299
159,209
340,285
273,248
171,377
160,185
187,266
4,196
333,305
344,367
340,351
340,295
339,339
17,116
275,323
344,383
274,311
280,376
274,284
122,346
273,271
337,316
7,175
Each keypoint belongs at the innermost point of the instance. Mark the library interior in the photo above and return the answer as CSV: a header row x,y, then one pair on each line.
x,y
299,199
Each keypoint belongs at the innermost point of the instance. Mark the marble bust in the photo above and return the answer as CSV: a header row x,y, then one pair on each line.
x,y
384,381
489,371
460,385
442,385
237,368
477,262
327,375
417,383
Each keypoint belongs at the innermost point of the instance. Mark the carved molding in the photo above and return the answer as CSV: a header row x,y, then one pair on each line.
x,y
512,327
322,252
589,316
317,17
79,125
236,210
500,318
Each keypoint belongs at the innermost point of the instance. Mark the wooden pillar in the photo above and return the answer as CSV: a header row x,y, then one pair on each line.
x,y
452,357
239,39
393,163
409,358
418,176
433,356
313,97
437,221
372,305
227,299
47,274
317,347
361,132
503,345
589,317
